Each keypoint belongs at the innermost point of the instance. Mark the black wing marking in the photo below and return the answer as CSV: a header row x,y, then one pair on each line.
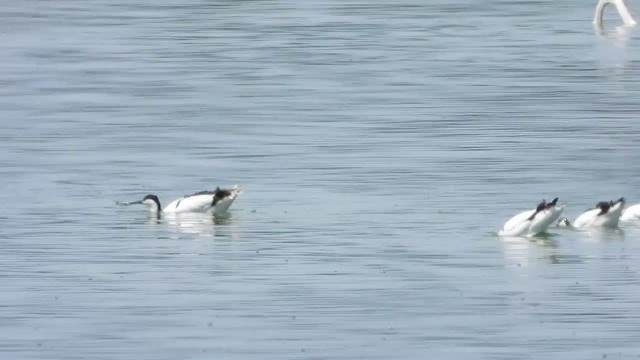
x,y
222,193
604,207
205,192
217,192
539,208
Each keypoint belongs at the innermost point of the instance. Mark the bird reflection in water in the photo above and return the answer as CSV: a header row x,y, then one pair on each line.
x,y
204,225
520,251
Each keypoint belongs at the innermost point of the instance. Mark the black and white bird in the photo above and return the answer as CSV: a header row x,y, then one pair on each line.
x,y
606,214
631,213
533,222
217,201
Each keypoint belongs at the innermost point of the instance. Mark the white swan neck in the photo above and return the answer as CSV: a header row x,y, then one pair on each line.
x,y
626,17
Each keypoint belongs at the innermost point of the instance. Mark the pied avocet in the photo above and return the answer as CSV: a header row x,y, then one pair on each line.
x,y
606,214
218,200
533,222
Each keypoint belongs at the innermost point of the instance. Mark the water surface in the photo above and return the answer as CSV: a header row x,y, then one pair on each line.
x,y
380,147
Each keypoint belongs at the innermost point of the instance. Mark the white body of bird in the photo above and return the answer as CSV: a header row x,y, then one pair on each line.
x,y
604,215
203,202
631,213
219,201
533,222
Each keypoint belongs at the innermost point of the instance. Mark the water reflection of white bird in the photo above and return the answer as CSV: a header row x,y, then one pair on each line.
x,y
203,224
516,250
218,201
522,251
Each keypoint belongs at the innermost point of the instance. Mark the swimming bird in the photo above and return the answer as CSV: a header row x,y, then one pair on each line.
x,y
631,213
533,222
218,200
626,17
606,214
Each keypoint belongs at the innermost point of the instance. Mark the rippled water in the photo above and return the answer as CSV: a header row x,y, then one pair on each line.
x,y
380,146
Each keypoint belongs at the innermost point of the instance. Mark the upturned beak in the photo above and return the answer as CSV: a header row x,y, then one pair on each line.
x,y
128,203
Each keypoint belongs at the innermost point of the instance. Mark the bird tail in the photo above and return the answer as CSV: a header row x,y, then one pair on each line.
x,y
236,190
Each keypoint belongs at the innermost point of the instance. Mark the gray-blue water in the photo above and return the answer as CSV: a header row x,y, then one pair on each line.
x,y
380,146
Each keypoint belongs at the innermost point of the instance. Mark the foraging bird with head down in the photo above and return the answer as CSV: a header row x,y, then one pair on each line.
x,y
606,214
219,201
533,222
